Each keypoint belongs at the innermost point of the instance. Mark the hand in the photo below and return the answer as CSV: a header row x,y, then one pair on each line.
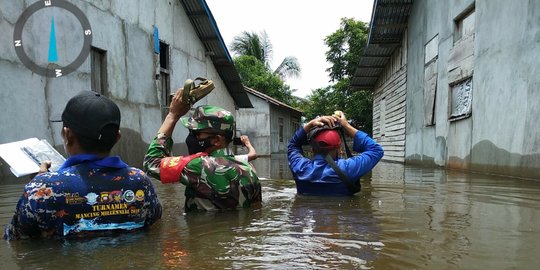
x,y
44,166
320,121
178,108
340,116
245,140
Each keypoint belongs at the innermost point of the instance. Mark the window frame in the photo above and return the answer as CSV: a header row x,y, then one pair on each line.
x,y
98,82
164,76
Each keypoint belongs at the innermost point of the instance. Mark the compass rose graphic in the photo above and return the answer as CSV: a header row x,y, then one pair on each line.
x,y
53,67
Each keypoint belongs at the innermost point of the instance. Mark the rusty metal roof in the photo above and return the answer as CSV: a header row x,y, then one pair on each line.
x,y
203,21
271,100
388,22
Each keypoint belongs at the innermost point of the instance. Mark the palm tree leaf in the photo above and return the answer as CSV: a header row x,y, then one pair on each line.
x,y
251,43
288,68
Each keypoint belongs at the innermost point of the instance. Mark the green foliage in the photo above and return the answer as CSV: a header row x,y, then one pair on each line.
x,y
321,101
288,68
253,64
251,43
357,105
346,46
259,46
256,75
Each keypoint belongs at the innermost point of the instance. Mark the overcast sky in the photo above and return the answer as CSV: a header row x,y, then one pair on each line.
x,y
295,28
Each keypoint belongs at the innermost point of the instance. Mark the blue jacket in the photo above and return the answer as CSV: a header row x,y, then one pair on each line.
x,y
87,195
316,177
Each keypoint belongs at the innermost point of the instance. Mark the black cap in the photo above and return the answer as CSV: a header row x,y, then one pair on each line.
x,y
88,113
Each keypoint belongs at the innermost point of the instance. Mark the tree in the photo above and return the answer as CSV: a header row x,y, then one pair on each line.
x,y
289,68
254,74
358,105
321,101
324,101
253,64
259,46
345,47
251,43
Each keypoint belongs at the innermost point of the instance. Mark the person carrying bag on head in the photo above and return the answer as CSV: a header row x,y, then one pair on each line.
x,y
214,180
326,174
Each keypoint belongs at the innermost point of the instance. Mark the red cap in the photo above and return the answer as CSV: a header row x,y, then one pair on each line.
x,y
328,139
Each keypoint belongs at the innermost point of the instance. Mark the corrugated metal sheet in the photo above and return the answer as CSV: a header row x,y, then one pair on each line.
x,y
388,22
272,100
203,21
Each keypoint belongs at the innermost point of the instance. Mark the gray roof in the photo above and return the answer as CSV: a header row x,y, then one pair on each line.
x,y
388,22
271,100
203,21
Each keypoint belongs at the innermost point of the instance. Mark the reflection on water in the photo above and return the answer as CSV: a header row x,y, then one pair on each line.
x,y
301,231
404,218
275,167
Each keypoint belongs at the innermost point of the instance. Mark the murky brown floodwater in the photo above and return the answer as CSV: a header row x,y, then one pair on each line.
x,y
404,218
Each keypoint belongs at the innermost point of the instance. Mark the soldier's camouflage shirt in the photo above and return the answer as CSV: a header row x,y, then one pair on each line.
x,y
215,181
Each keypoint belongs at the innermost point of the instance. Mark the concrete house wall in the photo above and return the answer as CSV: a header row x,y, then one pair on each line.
x,y
500,134
255,123
262,124
124,29
290,121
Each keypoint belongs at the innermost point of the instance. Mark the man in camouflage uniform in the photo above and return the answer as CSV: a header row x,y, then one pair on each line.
x,y
213,181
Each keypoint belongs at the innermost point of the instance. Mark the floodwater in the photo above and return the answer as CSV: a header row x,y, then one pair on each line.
x,y
404,218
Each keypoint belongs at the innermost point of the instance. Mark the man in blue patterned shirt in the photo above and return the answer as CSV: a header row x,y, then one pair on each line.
x,y
92,193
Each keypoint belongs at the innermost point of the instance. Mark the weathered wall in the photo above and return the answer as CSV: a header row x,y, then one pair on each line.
x,y
389,110
501,135
124,30
261,124
255,123
279,145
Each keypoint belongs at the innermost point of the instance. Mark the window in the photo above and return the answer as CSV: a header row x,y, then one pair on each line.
x,y
461,66
461,99
431,52
164,77
98,70
295,124
280,123
464,25
163,55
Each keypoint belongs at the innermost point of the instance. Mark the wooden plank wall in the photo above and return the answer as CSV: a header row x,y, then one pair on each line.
x,y
392,87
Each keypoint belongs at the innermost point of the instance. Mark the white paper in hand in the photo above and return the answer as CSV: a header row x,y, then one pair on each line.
x,y
25,156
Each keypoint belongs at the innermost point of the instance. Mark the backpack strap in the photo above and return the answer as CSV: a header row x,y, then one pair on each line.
x,y
170,168
353,188
342,133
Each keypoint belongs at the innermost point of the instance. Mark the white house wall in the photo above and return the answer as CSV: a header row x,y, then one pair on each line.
x,y
289,128
255,122
502,134
125,30
261,124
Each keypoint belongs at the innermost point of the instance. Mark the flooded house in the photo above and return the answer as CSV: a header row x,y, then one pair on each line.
x,y
140,52
270,124
455,83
